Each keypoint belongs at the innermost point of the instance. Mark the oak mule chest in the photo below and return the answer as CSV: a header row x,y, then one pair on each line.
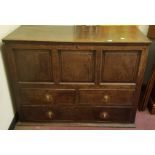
x,y
83,74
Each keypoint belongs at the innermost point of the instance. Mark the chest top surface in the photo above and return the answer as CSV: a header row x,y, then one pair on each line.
x,y
78,34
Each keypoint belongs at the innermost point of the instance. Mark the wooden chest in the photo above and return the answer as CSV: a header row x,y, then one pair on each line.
x,y
76,73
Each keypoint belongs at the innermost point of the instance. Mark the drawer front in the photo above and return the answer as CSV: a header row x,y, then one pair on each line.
x,y
47,96
106,97
76,114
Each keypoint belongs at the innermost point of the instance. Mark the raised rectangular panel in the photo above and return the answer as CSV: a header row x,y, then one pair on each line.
x,y
33,65
120,66
77,66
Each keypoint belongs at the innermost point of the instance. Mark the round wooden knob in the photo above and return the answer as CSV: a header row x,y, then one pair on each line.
x,y
106,98
50,114
49,98
104,115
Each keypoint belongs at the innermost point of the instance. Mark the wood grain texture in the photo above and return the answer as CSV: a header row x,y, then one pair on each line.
x,y
61,75
75,114
34,65
77,66
120,66
47,96
90,34
106,97
61,126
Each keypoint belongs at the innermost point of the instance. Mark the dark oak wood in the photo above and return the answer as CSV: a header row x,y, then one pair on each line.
x,y
148,94
151,106
106,97
151,32
120,66
47,96
60,125
77,66
70,34
76,73
148,98
76,114
33,65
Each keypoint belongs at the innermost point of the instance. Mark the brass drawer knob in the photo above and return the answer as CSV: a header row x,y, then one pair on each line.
x,y
104,115
50,115
106,98
49,98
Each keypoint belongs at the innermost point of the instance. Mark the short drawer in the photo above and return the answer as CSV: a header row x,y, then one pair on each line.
x,y
106,97
47,96
76,114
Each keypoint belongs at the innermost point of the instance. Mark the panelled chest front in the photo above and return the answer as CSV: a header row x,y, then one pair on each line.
x,y
76,73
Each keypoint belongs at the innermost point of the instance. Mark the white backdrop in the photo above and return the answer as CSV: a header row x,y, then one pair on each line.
x,y
6,110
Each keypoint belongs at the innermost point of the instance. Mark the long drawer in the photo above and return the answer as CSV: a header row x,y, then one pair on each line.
x,y
106,97
102,97
76,114
36,96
